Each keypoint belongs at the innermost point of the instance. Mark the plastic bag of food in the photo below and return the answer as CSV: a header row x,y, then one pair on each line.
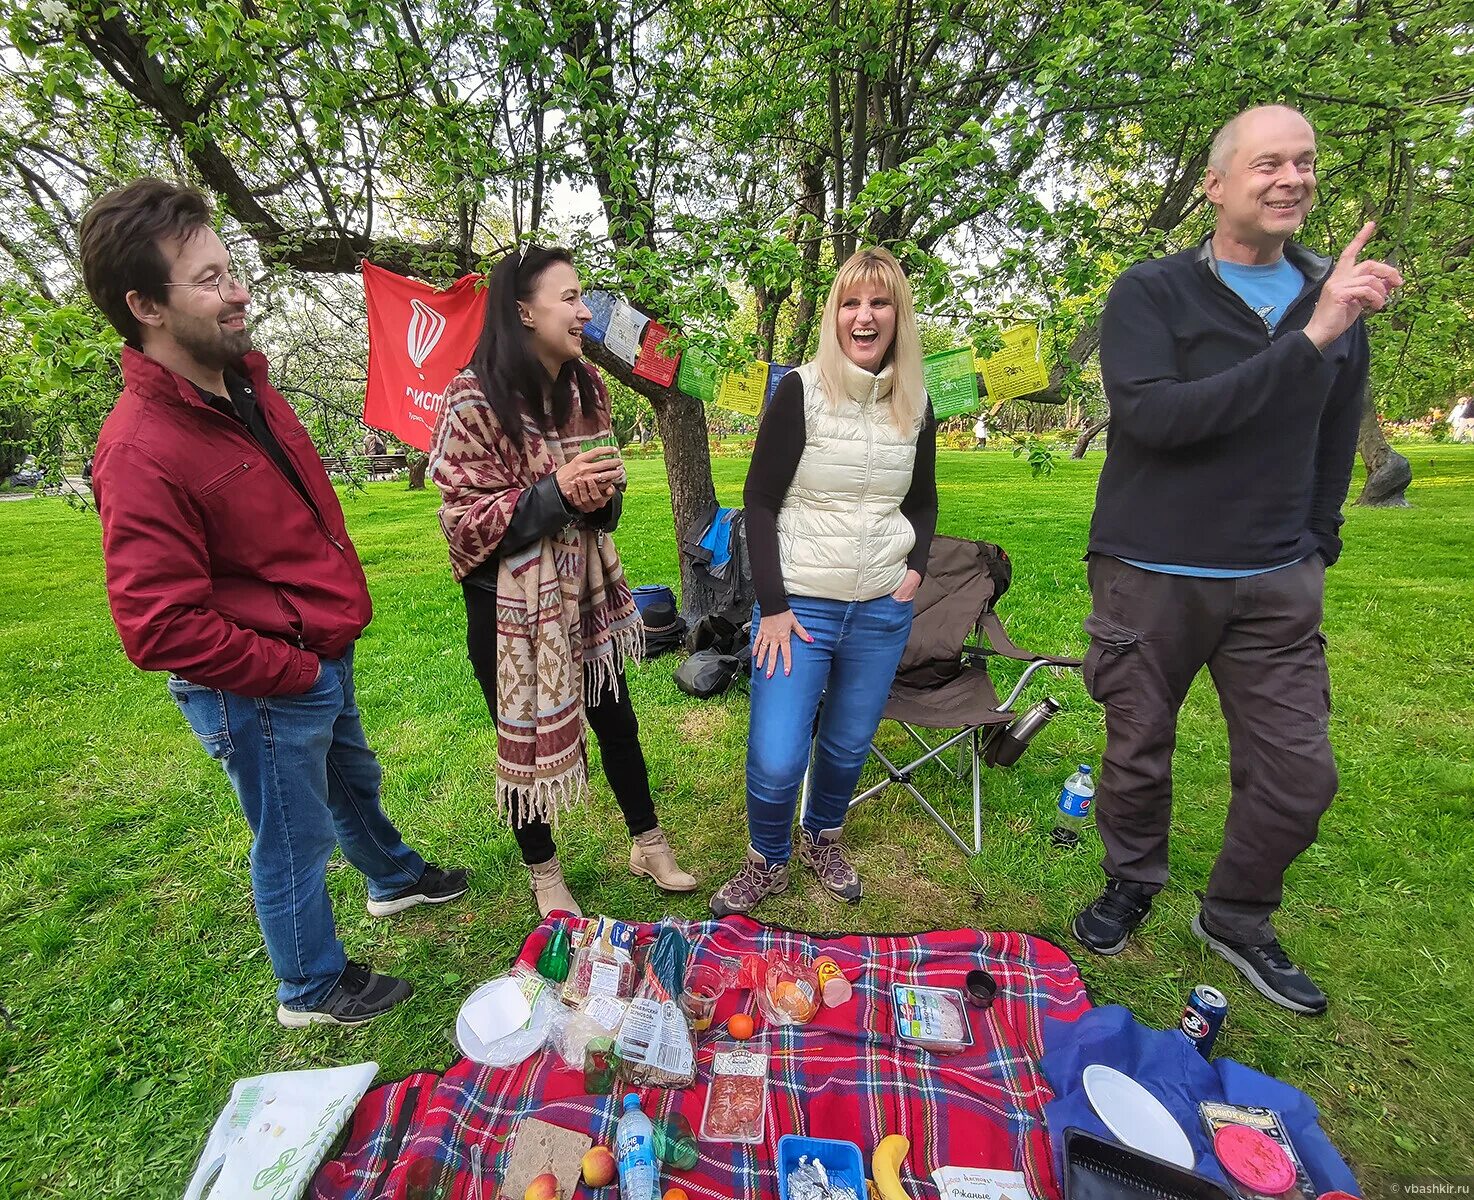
x,y
656,1047
603,962
789,994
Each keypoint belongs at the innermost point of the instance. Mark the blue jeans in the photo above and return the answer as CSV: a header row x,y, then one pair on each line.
x,y
307,781
850,664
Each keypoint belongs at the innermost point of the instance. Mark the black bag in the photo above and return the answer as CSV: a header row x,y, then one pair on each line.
x,y
723,632
706,674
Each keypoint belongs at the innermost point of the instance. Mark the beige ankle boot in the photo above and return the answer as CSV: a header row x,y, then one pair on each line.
x,y
650,854
549,890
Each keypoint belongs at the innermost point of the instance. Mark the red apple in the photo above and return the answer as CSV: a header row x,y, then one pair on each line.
x,y
544,1187
599,1168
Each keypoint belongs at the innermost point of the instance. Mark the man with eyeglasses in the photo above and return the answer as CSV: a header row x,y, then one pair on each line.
x,y
229,566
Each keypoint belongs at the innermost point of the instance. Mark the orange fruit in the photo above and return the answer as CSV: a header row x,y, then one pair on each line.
x,y
675,1194
739,1025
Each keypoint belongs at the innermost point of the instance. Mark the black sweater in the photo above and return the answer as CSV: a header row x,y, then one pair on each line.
x,y
1229,447
775,455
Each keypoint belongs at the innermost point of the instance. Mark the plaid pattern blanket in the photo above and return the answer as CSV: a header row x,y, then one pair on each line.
x,y
844,1075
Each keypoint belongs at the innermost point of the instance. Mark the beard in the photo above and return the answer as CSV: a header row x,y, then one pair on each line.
x,y
212,345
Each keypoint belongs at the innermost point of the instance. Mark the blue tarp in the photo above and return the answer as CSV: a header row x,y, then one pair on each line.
x,y
1164,1063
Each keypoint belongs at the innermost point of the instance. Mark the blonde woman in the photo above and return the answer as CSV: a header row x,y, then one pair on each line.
x,y
841,503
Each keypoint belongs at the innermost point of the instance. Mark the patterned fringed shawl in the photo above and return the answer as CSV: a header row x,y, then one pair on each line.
x,y
565,620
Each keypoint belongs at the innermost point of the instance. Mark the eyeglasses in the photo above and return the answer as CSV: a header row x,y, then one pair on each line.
x,y
224,284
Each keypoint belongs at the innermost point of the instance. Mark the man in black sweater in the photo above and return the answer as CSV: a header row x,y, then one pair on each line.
x,y
1236,373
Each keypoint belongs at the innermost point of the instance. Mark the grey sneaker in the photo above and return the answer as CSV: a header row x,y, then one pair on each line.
x,y
825,857
750,886
358,997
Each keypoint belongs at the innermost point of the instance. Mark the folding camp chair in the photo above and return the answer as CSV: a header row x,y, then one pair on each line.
x,y
943,682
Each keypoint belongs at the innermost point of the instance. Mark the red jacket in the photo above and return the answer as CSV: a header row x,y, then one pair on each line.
x,y
217,569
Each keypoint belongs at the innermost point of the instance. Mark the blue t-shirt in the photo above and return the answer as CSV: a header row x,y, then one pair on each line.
x,y
1268,289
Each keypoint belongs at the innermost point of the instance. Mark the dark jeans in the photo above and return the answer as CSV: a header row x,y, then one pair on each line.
x,y
307,782
1260,639
611,717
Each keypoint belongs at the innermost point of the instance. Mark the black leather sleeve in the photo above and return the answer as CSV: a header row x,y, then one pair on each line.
x,y
541,510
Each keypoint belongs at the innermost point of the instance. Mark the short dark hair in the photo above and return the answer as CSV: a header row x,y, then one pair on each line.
x,y
120,238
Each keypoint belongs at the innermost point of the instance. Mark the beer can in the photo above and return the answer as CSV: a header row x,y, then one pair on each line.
x,y
1203,1016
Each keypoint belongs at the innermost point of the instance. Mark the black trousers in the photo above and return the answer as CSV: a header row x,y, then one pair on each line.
x,y
1260,638
611,717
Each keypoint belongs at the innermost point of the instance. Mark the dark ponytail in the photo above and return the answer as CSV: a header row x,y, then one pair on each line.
x,y
511,376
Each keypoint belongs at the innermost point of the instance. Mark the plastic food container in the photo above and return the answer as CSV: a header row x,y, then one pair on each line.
x,y
736,1097
933,1018
841,1160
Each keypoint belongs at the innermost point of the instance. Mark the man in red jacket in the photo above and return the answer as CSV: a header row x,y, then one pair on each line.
x,y
229,566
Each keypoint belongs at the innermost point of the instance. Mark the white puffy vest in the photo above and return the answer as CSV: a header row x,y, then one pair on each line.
x,y
841,534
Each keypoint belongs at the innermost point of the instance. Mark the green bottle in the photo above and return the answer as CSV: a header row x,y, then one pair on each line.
x,y
552,963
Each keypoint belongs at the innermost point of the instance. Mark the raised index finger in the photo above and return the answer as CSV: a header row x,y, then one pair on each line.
x,y
1357,245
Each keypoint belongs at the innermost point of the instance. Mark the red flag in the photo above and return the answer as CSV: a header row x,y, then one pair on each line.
x,y
418,340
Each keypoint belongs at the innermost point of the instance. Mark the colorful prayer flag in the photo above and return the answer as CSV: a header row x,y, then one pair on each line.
x,y
775,377
622,337
951,382
743,391
601,304
653,362
697,376
1017,369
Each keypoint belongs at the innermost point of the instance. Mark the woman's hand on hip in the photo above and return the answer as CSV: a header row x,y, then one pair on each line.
x,y
588,480
773,636
907,591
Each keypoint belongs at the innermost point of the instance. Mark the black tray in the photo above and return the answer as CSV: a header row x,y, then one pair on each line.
x,y
1096,1169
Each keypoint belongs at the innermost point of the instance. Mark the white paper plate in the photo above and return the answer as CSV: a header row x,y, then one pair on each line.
x,y
509,1048
1135,1116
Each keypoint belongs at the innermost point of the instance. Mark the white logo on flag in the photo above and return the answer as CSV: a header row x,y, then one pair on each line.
x,y
425,327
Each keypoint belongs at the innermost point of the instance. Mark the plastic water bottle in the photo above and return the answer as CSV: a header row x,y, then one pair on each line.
x,y
1070,814
635,1142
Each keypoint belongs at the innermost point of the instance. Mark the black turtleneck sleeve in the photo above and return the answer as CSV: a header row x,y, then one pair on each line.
x,y
779,446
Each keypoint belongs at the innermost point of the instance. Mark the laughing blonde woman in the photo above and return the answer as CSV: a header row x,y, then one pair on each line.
x,y
841,503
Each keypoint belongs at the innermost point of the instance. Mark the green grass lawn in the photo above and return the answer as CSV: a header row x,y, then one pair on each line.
x,y
137,989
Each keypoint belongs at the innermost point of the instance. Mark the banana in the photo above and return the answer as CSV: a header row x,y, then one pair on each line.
x,y
885,1166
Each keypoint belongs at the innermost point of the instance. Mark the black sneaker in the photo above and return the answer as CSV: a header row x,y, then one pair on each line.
x,y
360,995
1111,919
1269,971
433,887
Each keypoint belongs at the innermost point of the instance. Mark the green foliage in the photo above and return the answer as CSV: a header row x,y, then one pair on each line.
x,y
59,373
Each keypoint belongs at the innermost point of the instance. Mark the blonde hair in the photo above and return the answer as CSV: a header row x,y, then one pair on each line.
x,y
908,393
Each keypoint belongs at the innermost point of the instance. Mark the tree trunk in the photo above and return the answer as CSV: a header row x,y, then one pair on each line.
x,y
1088,435
418,463
683,435
1388,473
681,421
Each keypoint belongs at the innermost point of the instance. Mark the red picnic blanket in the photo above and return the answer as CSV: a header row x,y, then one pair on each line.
x,y
843,1075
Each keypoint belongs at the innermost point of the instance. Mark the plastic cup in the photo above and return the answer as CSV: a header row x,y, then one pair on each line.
x,y
704,987
599,1066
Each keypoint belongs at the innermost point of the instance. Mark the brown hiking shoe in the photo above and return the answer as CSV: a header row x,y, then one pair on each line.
x,y
824,856
750,886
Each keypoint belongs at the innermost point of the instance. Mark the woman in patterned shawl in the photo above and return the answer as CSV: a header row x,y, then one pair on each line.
x,y
529,496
